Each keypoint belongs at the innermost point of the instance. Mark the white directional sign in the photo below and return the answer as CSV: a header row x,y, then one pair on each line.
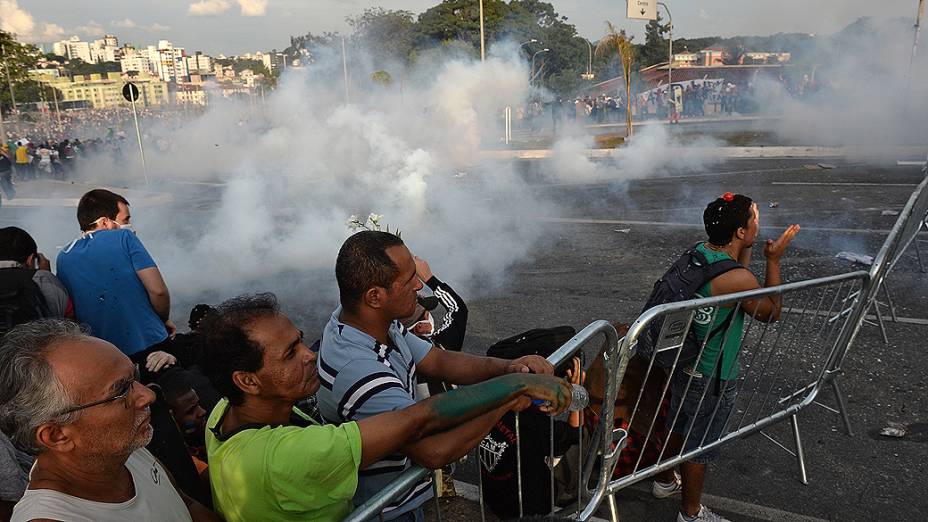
x,y
642,9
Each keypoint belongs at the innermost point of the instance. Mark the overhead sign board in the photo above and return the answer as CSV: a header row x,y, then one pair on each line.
x,y
642,9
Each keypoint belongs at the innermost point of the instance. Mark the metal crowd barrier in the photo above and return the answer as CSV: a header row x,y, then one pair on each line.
x,y
908,226
776,359
784,366
606,442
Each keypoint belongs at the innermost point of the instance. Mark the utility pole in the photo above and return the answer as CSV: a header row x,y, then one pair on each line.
x,y
9,80
345,70
670,52
918,27
483,41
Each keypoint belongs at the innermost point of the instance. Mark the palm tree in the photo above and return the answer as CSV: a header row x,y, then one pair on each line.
x,y
617,41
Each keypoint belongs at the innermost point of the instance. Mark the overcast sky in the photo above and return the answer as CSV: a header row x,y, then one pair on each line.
x,y
238,26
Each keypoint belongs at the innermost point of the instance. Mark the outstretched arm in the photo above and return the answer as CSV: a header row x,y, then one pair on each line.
x,y
388,432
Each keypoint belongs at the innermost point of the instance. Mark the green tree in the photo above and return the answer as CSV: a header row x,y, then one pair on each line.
x,y
386,35
655,46
16,59
616,41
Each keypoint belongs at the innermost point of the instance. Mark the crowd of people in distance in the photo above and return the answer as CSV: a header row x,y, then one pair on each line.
x,y
108,413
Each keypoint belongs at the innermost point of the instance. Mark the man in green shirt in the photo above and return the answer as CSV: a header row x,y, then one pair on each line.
x,y
732,223
269,461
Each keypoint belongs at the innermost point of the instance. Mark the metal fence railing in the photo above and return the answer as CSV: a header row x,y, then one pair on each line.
x,y
776,360
783,366
600,338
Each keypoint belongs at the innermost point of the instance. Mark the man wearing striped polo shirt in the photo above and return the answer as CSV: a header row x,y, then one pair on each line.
x,y
368,364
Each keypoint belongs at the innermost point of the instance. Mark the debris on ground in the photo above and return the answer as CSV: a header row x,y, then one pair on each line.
x,y
828,166
812,167
623,230
774,204
889,213
459,175
855,258
894,429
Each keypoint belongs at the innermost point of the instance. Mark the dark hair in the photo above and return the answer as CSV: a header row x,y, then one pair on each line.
x,y
724,216
96,204
226,346
363,263
16,245
176,382
198,313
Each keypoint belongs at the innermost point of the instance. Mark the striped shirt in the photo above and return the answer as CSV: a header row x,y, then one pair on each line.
x,y
361,377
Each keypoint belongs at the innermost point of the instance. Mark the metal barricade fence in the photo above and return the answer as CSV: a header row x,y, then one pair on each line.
x,y
605,441
905,231
777,360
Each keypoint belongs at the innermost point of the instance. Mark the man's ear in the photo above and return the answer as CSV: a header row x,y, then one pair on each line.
x,y
30,261
54,436
248,382
740,233
375,297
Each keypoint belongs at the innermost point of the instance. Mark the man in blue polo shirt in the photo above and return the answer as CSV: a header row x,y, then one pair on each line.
x,y
115,285
368,364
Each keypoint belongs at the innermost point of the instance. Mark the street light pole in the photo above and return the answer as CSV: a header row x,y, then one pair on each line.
x,y
669,52
918,26
532,77
483,53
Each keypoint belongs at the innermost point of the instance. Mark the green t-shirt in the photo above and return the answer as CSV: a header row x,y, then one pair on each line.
x,y
283,473
701,327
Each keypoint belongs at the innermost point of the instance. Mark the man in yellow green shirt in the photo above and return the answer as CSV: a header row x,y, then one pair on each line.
x,y
269,461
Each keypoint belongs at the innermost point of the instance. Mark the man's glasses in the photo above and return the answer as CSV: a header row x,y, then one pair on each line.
x,y
121,393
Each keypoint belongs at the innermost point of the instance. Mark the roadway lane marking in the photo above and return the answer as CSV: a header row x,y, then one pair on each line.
x,y
700,226
472,492
886,319
843,184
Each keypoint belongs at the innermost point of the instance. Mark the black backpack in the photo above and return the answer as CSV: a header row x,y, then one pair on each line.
x,y
539,341
680,283
21,300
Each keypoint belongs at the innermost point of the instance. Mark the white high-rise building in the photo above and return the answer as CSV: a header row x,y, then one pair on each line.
x,y
105,49
74,48
133,60
169,62
199,63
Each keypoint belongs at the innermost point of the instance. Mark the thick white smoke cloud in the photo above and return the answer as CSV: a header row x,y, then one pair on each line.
x,y
290,171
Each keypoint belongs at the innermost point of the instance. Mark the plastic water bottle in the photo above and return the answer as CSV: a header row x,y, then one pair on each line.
x,y
579,399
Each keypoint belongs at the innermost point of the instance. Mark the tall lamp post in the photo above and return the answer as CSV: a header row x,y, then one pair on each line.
x,y
532,78
589,66
482,39
523,44
669,52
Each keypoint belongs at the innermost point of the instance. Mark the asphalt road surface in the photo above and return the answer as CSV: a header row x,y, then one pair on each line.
x,y
603,252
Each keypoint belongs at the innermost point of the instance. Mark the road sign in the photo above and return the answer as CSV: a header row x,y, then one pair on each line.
x,y
130,92
642,9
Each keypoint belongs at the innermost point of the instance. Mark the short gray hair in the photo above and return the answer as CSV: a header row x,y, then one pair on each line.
x,y
30,393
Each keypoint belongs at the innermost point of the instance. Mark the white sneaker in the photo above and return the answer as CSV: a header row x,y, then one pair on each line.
x,y
705,515
661,490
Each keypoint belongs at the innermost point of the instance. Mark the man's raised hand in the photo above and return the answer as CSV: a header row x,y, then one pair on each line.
x,y
773,250
422,269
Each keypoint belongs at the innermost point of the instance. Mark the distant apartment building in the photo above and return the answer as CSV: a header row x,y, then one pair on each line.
x,y
169,62
104,92
687,59
134,61
767,57
199,63
105,49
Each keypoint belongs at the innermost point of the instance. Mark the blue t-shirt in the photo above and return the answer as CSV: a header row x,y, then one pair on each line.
x,y
99,271
361,377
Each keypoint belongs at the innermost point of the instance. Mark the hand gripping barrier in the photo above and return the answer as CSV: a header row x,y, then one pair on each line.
x,y
609,445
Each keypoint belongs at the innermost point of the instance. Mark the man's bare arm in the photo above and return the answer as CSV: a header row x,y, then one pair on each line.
x,y
463,368
157,290
389,432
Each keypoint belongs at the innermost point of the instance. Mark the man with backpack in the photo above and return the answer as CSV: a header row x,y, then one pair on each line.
x,y
703,385
28,289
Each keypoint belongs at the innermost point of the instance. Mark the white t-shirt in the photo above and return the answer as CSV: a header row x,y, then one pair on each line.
x,y
155,499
